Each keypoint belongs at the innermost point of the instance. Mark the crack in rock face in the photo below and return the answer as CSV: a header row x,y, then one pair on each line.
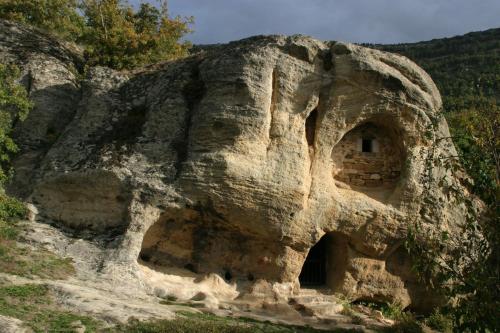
x,y
278,159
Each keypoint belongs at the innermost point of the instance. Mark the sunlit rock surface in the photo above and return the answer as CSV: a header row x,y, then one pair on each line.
x,y
233,163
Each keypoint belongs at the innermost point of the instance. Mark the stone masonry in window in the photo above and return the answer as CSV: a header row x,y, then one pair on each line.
x,y
368,156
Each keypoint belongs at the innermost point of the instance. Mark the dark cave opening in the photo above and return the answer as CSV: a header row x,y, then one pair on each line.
x,y
326,263
314,270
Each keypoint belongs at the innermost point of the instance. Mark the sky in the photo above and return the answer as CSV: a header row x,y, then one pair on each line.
x,y
370,21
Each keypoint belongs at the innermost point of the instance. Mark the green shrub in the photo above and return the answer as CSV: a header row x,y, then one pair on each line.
x,y
393,311
11,208
439,321
14,106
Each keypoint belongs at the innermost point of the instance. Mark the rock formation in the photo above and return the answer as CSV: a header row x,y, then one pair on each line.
x,y
237,160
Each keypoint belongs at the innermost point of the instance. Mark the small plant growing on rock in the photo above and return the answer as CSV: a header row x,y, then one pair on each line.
x,y
439,321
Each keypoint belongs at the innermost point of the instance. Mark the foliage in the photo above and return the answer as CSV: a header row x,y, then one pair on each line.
x,y
58,16
14,106
464,265
405,321
11,208
439,321
476,134
466,70
34,305
393,311
463,67
113,32
118,37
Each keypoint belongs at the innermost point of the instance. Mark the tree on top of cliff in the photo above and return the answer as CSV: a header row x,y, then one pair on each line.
x,y
56,16
113,33
119,37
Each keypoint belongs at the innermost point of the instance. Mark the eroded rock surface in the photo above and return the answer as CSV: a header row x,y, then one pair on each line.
x,y
236,161
12,325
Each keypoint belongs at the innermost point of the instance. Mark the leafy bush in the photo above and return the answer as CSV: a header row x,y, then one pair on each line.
x,y
476,134
405,321
14,106
11,208
464,266
439,321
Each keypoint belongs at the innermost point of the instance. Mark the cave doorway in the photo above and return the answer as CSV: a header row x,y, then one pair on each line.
x,y
313,272
326,263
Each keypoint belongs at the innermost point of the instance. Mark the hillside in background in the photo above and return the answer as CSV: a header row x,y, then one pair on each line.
x,y
466,70
463,67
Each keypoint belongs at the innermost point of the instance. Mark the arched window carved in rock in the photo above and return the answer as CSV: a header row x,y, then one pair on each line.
x,y
369,156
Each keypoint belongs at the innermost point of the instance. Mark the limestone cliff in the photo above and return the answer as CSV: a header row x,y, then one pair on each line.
x,y
236,161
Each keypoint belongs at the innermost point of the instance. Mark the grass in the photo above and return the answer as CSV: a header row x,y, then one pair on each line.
x,y
34,305
208,323
24,261
28,262
405,325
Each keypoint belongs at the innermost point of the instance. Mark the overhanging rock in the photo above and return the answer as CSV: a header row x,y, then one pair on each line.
x,y
239,159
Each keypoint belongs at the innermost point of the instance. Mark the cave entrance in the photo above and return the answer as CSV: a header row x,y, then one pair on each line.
x,y
326,263
314,270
